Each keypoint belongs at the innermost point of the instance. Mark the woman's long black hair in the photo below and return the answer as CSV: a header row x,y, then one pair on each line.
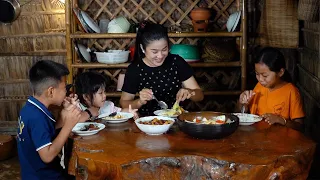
x,y
275,60
148,32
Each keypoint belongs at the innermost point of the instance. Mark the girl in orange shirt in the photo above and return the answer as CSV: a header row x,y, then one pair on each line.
x,y
274,97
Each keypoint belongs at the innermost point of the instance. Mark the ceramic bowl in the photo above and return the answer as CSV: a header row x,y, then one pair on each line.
x,y
154,129
119,25
207,131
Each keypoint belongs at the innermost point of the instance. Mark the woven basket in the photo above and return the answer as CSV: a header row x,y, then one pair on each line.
x,y
279,24
308,10
218,51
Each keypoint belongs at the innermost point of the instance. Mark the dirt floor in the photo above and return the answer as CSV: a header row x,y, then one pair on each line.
x,y
10,169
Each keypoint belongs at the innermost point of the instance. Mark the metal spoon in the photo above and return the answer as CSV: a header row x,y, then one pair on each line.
x,y
162,104
243,108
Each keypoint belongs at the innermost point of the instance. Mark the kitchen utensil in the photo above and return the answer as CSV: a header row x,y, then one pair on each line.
x,y
162,104
119,25
9,10
154,129
233,21
113,56
207,131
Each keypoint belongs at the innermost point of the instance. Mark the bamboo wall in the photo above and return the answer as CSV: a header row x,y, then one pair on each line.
x,y
309,85
38,33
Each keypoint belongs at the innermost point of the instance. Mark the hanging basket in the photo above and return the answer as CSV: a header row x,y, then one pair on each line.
x,y
308,10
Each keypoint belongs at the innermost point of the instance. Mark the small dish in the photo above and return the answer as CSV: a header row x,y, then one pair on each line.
x,y
119,118
83,52
233,21
247,119
77,128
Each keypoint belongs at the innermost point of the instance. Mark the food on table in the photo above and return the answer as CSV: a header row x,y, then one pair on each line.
x,y
175,111
156,121
118,116
214,120
89,127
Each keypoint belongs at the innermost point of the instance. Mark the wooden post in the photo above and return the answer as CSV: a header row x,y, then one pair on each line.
x,y
243,47
68,41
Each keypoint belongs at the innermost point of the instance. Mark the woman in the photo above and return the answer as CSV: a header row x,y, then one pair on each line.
x,y
156,72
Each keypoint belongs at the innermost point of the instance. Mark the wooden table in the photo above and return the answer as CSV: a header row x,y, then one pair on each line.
x,y
259,151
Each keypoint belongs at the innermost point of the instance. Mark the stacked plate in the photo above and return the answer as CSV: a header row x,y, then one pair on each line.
x,y
82,52
233,21
86,22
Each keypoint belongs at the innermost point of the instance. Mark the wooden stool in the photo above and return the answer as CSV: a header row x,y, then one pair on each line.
x,y
6,147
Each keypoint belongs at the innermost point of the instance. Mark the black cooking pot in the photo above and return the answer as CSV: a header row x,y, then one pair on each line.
x,y
207,131
9,10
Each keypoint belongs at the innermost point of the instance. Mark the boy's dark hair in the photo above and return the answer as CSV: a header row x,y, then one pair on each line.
x,y
46,73
148,32
275,60
88,83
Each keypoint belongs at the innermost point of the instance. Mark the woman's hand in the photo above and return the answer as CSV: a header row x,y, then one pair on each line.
x,y
184,94
246,96
145,95
272,119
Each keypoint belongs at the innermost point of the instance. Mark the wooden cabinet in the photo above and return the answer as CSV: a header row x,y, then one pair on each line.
x,y
169,12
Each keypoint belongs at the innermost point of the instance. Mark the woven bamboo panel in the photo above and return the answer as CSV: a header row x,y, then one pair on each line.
x,y
279,26
309,60
218,79
310,83
311,35
39,28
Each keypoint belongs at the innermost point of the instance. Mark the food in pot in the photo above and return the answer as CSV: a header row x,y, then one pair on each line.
x,y
156,121
89,127
214,120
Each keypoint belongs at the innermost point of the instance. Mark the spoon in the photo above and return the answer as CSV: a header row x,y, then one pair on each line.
x,y
162,104
243,108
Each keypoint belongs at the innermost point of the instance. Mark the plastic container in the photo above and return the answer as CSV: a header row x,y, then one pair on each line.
x,y
112,56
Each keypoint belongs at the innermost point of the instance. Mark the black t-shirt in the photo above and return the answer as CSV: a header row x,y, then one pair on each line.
x,y
165,81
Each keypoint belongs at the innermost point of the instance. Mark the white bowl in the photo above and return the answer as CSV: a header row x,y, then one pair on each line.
x,y
113,56
77,129
247,119
154,129
119,25
233,21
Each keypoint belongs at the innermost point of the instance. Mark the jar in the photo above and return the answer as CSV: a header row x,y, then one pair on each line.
x,y
200,18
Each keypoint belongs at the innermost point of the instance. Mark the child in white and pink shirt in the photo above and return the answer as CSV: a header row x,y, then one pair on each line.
x,y
91,90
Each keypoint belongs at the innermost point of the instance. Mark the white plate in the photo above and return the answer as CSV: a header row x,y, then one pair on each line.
x,y
76,129
126,117
237,21
83,51
247,119
90,22
162,113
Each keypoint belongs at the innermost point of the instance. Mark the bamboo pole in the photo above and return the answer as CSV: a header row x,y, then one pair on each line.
x,y
243,44
33,35
68,41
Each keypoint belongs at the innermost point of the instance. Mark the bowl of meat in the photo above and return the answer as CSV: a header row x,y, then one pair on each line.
x,y
208,125
87,128
154,125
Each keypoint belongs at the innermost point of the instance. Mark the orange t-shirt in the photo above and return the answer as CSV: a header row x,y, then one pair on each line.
x,y
285,101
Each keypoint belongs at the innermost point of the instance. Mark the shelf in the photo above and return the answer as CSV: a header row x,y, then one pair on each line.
x,y
206,93
125,65
133,35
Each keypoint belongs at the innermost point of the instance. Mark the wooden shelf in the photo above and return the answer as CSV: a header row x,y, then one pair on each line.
x,y
133,35
206,93
125,65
